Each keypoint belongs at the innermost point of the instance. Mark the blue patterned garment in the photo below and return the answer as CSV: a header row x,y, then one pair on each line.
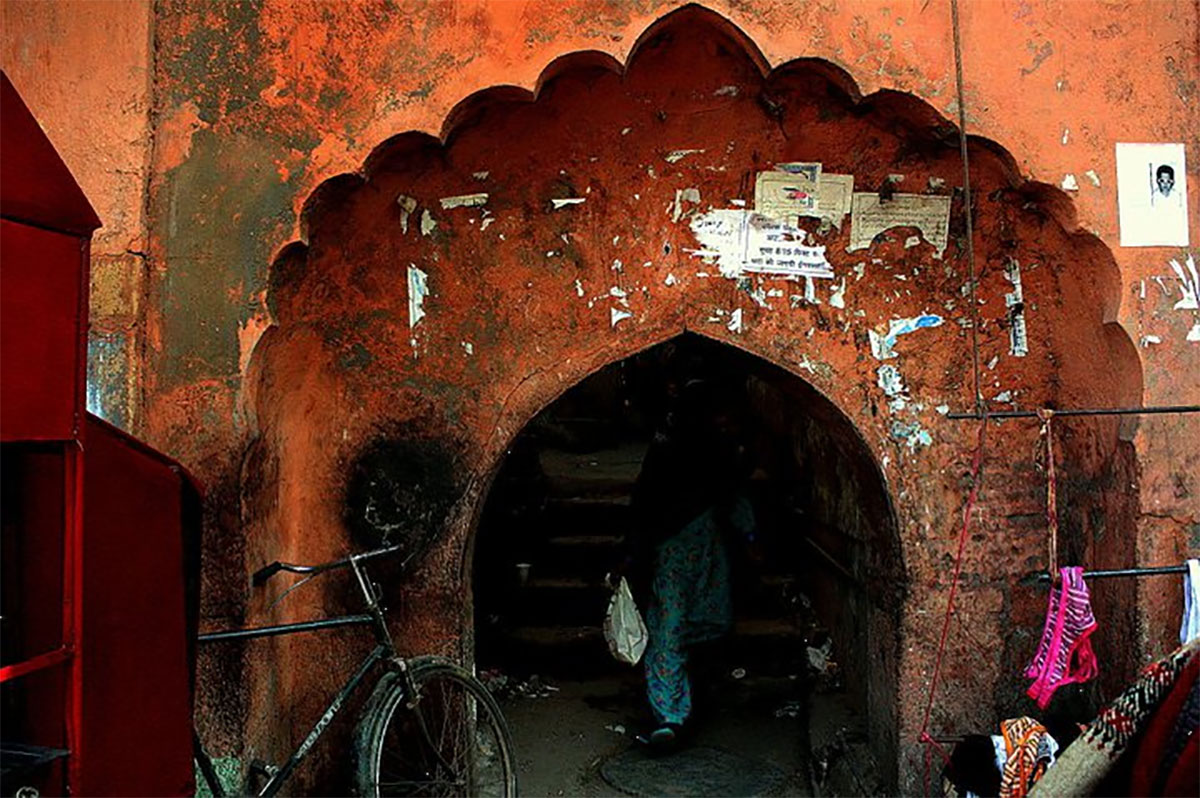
x,y
690,603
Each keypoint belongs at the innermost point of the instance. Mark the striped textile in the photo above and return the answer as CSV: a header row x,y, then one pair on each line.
x,y
1029,750
1064,654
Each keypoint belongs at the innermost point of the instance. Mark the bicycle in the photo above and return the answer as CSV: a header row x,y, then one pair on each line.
x,y
428,728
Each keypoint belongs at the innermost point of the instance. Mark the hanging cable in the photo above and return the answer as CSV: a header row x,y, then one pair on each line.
x,y
976,478
1047,416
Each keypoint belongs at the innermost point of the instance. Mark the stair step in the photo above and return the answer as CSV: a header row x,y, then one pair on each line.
x,y
581,651
585,540
604,471
615,499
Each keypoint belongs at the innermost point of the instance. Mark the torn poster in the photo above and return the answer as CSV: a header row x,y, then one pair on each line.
x,y
881,345
1018,338
418,289
791,189
929,213
744,241
833,198
464,201
1152,195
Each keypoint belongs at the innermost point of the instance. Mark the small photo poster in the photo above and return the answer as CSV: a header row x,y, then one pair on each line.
x,y
791,189
1152,195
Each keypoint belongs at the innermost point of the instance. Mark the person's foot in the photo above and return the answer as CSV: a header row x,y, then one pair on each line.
x,y
662,740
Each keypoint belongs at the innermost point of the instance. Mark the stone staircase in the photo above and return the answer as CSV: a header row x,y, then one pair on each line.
x,y
553,623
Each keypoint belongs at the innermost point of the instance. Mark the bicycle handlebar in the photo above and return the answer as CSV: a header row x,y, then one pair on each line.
x,y
267,571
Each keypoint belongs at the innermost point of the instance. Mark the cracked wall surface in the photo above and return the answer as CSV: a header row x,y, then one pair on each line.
x,y
200,130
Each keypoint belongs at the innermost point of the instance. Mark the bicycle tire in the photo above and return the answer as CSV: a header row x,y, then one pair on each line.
x,y
423,749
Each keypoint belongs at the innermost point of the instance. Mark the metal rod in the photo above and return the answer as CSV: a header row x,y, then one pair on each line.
x,y
831,559
1094,411
1155,571
285,629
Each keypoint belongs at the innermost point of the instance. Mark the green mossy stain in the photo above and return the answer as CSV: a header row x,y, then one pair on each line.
x,y
218,64
226,211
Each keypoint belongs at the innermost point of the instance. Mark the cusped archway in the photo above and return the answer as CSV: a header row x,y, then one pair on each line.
x,y
452,288
822,568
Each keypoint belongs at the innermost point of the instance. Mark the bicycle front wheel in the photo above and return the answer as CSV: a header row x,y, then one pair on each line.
x,y
450,739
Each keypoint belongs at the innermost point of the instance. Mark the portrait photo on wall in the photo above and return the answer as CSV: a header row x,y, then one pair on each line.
x,y
1152,195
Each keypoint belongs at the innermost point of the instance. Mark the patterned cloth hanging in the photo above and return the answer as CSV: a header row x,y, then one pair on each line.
x,y
1064,655
1084,764
1029,750
1189,629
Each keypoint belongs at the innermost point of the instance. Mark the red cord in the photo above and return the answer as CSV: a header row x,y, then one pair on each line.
x,y
976,466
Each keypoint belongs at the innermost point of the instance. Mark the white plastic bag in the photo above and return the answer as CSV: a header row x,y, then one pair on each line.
x,y
623,626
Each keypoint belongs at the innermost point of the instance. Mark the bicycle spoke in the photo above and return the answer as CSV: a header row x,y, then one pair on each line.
x,y
449,742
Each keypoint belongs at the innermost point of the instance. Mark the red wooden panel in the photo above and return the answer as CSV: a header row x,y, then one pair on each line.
x,y
31,549
42,323
137,717
35,185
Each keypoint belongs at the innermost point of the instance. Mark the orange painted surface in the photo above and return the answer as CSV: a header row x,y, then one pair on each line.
x,y
258,103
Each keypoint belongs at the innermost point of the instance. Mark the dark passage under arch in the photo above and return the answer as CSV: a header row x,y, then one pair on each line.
x,y
823,577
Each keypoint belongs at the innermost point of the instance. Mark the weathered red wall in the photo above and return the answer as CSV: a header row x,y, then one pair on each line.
x,y
257,103
85,69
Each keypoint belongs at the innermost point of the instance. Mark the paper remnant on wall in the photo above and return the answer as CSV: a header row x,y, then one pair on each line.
x,y
745,241
834,197
882,345
464,201
418,289
929,213
1152,195
1018,337
788,190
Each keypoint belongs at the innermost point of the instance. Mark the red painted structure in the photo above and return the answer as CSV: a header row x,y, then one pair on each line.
x,y
97,528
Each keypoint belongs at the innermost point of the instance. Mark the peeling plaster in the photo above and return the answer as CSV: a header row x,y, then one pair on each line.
x,y
882,345
418,289
1018,339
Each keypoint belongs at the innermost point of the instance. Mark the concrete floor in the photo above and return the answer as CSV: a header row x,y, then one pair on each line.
x,y
563,738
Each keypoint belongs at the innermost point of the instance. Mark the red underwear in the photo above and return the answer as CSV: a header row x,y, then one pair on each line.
x,y
1064,654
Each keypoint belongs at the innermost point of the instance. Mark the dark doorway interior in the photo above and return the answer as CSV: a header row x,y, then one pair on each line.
x,y
805,681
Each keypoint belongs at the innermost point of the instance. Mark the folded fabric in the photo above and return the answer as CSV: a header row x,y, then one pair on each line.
x,y
1189,629
1064,653
1085,762
1029,750
1173,725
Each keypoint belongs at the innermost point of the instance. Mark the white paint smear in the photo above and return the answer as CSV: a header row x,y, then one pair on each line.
x,y
675,156
735,321
1069,183
562,203
418,289
464,201
745,241
670,280
1018,336
618,315
929,213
